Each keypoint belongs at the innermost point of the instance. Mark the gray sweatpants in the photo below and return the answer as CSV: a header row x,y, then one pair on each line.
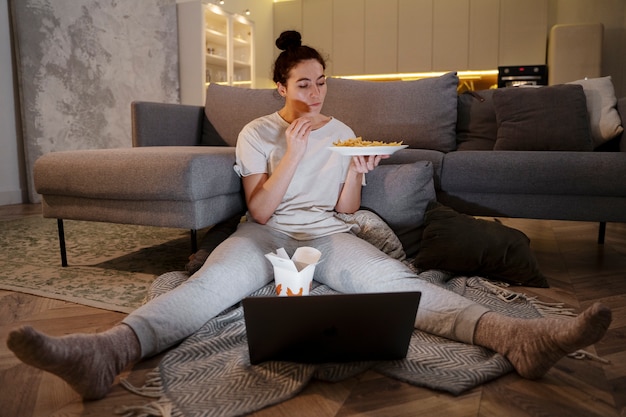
x,y
238,267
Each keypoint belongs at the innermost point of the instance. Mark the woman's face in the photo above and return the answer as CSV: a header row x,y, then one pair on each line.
x,y
306,87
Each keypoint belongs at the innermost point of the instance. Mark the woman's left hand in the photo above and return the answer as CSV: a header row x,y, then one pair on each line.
x,y
362,164
350,195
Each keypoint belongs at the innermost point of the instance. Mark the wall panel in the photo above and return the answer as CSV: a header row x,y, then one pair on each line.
x,y
317,28
450,35
484,32
349,37
287,16
436,35
523,33
415,35
381,36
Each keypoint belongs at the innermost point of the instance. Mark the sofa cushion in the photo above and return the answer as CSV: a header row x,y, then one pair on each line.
x,y
546,118
210,137
409,156
164,173
465,245
422,113
534,173
604,119
476,126
399,194
229,109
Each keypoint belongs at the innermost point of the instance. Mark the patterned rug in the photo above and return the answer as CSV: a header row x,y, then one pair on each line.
x,y
116,267
210,374
111,265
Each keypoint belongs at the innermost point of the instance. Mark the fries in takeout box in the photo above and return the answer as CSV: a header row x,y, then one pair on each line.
x,y
294,276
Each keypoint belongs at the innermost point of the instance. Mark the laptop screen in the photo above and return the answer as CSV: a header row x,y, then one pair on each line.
x,y
330,328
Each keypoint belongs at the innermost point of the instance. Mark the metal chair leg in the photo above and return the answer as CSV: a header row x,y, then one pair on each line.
x,y
62,242
601,232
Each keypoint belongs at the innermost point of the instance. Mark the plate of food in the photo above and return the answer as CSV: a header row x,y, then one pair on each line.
x,y
358,146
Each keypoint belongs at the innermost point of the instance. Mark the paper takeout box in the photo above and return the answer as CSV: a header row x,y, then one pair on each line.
x,y
294,276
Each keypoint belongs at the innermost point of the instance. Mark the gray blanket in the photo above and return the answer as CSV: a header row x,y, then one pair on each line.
x,y
210,374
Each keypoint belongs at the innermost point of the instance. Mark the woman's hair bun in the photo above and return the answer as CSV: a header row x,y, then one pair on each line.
x,y
289,39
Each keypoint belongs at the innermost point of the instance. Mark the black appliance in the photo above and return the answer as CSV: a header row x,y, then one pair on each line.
x,y
516,76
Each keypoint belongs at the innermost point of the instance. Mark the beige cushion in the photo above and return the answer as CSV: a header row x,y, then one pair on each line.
x,y
574,52
604,119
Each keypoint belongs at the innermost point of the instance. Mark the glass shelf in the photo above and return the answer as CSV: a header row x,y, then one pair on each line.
x,y
215,37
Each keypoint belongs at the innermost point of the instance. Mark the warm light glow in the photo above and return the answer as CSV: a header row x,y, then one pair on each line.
x,y
215,9
463,75
468,80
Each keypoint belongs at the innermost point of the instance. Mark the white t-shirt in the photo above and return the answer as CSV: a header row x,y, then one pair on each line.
x,y
307,209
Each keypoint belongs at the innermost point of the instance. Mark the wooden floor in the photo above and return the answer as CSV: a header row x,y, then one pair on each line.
x,y
580,271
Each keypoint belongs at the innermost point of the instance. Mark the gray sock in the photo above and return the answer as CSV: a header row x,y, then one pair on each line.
x,y
534,346
88,362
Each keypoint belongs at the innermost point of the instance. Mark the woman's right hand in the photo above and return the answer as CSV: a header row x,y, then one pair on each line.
x,y
264,193
297,135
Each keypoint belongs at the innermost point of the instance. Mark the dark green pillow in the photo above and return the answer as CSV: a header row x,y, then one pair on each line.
x,y
464,245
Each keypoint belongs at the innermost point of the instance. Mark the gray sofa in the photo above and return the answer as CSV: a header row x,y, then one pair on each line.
x,y
528,153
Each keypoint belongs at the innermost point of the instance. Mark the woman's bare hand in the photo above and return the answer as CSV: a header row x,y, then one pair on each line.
x,y
298,136
362,164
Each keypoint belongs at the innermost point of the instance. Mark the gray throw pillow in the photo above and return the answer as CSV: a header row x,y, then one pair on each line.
x,y
421,113
550,118
476,126
399,194
229,109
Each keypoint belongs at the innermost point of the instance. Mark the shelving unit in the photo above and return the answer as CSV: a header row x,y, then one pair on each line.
x,y
214,47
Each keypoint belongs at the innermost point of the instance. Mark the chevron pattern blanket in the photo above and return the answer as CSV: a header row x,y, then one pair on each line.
x,y
209,374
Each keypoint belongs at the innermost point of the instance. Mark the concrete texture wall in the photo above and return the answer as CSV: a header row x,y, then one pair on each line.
x,y
80,65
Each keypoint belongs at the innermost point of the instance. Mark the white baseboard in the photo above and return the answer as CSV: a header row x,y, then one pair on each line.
x,y
13,197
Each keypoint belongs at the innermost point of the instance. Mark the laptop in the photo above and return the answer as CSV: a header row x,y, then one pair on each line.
x,y
331,327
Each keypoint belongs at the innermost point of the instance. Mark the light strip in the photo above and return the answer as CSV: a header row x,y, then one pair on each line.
x,y
464,75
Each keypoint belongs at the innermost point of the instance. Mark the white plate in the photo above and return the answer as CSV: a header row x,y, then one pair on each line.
x,y
366,150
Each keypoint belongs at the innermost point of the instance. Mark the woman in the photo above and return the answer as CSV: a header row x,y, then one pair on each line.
x,y
293,186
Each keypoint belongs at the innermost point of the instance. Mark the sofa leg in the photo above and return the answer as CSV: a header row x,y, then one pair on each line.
x,y
62,242
194,241
601,232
